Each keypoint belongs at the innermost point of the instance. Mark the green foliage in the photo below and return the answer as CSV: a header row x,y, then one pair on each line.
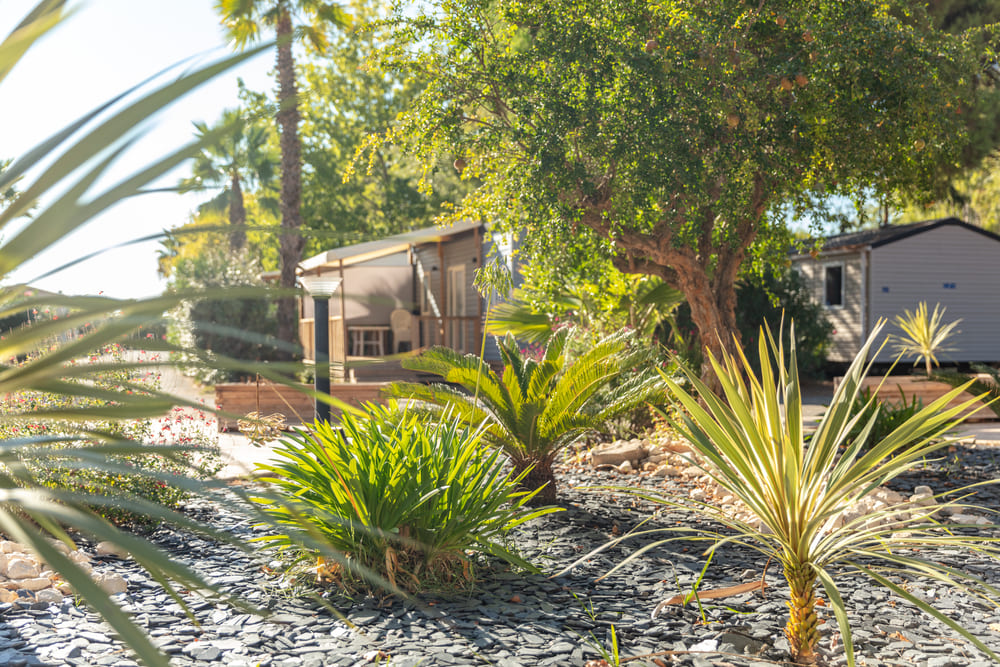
x,y
233,321
990,388
753,443
878,419
536,407
924,334
682,133
401,497
767,300
64,183
179,445
386,196
242,159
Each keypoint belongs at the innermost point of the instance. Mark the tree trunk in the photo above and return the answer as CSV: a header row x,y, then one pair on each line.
x,y
540,475
713,309
237,215
802,629
291,241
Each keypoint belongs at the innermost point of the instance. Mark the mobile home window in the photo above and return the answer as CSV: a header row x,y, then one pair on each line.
x,y
833,285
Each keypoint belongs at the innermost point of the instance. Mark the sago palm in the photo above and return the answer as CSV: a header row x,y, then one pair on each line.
x,y
924,334
752,443
535,408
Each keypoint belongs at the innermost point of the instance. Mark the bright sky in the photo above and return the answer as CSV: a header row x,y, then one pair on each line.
x,y
102,50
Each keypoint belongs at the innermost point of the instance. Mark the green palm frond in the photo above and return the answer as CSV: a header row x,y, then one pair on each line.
x,y
535,407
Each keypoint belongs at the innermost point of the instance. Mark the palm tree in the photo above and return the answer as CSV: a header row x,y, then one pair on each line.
x,y
535,408
244,19
241,158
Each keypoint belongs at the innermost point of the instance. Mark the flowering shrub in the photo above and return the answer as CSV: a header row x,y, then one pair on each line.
x,y
181,428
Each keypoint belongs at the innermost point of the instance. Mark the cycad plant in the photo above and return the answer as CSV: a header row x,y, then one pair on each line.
x,y
752,441
535,408
924,334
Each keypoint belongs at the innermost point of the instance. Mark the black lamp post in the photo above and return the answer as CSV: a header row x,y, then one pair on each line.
x,y
321,288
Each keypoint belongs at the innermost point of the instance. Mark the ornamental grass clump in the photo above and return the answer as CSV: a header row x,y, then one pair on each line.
x,y
404,499
752,443
924,335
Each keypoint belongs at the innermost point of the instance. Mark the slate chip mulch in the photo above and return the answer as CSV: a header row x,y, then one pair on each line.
x,y
512,618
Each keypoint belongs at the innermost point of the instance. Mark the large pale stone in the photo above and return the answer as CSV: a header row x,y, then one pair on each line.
x,y
21,567
626,467
79,557
7,596
110,549
111,583
923,488
618,452
36,584
49,595
923,499
9,547
60,546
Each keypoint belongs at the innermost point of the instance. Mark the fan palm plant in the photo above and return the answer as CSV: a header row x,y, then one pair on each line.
x,y
60,183
924,334
534,408
752,440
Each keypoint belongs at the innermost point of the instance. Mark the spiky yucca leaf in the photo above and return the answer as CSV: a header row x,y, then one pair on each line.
x,y
751,442
924,334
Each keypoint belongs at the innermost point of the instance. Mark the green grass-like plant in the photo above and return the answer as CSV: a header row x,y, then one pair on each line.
x,y
924,334
535,407
885,416
402,497
751,441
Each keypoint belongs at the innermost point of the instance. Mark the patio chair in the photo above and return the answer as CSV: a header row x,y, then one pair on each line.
x,y
401,322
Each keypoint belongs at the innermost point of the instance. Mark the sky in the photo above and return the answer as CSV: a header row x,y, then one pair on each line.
x,y
106,47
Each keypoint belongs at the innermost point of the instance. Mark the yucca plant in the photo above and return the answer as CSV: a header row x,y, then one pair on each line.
x,y
751,442
924,334
535,408
402,497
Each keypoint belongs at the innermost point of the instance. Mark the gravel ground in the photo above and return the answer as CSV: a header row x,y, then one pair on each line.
x,y
516,619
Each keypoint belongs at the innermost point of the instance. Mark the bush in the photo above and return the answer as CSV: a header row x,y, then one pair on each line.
x,y
404,499
891,415
233,327
116,482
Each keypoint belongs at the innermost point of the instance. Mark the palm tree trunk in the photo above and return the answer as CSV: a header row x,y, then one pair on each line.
x,y
290,242
803,626
237,215
539,476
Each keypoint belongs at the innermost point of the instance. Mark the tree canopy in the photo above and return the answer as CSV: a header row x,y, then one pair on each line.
x,y
683,131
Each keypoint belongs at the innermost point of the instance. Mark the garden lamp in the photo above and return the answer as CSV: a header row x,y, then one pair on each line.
x,y
321,288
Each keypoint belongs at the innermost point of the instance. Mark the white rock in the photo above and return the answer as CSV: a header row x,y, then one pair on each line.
x,y
21,567
923,499
60,546
111,583
110,549
923,488
9,547
697,495
65,588
79,557
7,596
49,595
625,467
656,458
662,471
617,453
36,584
693,471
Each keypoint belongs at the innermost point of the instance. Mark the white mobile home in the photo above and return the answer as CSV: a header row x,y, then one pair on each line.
x,y
865,276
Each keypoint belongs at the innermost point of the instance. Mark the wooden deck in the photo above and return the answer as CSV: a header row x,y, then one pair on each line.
x,y
927,391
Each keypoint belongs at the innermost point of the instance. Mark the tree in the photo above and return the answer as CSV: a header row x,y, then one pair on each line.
x,y
683,131
241,159
347,100
244,19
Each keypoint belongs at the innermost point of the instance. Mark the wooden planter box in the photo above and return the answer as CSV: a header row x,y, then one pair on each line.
x,y
919,387
237,399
